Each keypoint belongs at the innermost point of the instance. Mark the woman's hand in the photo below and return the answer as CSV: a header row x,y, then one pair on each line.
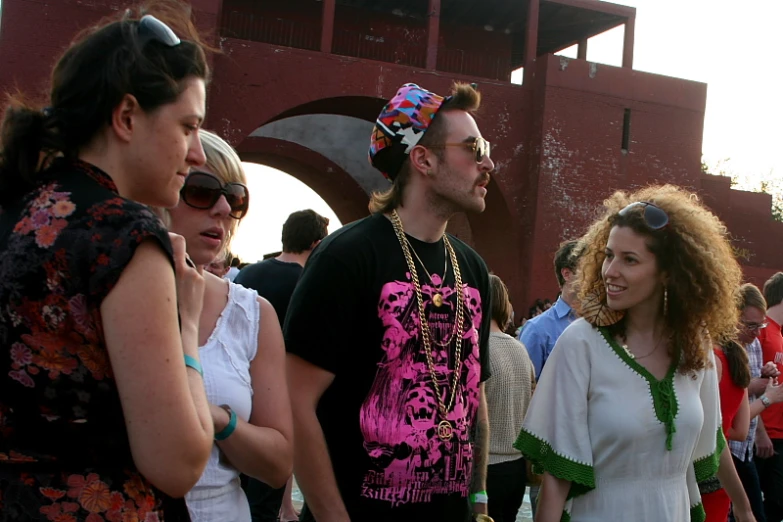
x,y
770,370
190,283
774,391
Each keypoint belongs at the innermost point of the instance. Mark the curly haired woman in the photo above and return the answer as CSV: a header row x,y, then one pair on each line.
x,y
626,418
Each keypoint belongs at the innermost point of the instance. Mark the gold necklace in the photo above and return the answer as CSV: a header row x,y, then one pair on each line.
x,y
437,298
445,428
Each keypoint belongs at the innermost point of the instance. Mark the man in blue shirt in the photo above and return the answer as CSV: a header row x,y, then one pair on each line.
x,y
540,333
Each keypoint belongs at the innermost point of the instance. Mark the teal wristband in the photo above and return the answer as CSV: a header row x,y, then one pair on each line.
x,y
193,363
230,427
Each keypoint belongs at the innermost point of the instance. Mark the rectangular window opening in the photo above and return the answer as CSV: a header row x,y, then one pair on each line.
x,y
625,146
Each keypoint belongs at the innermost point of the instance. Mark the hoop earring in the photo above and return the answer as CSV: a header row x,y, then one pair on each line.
x,y
665,302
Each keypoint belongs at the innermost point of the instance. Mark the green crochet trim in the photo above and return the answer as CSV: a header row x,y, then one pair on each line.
x,y
707,467
566,517
544,458
698,514
663,394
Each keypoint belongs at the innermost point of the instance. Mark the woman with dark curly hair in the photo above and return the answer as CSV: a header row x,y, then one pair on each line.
x,y
626,419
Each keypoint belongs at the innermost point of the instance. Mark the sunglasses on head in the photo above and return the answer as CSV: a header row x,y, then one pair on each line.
x,y
202,191
479,146
152,29
654,217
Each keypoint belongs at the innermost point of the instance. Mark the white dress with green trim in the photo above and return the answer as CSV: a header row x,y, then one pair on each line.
x,y
633,447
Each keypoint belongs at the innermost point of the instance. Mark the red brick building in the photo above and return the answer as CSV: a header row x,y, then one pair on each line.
x,y
298,84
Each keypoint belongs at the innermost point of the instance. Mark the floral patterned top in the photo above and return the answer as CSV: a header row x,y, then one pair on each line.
x,y
64,449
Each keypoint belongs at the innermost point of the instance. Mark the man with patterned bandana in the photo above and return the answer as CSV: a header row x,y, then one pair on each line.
x,y
387,332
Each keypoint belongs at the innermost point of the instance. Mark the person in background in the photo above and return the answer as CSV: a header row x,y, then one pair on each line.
x,y
753,309
219,266
508,396
103,412
275,279
540,333
233,266
769,437
240,344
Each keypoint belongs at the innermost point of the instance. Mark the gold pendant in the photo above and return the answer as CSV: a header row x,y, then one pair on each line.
x,y
437,300
445,430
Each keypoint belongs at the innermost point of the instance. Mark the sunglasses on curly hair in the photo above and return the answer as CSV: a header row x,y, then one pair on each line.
x,y
654,217
202,191
152,29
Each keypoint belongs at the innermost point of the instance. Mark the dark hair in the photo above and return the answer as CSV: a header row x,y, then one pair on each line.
x,y
739,365
773,289
464,97
501,305
102,65
566,257
302,229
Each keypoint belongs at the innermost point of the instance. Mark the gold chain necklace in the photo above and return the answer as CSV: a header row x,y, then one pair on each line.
x,y
437,298
445,428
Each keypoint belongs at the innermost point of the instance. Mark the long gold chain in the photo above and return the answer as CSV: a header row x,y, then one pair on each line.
x,y
424,324
439,291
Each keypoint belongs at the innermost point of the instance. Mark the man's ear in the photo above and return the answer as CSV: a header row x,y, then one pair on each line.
x,y
567,274
315,244
421,159
123,117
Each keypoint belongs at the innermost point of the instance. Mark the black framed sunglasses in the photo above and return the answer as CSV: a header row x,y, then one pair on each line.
x,y
479,146
654,217
152,29
202,191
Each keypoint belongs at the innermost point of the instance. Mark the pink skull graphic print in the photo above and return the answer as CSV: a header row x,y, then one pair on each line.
x,y
399,417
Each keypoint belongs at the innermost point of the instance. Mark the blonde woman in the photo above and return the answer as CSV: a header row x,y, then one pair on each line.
x,y
626,418
240,345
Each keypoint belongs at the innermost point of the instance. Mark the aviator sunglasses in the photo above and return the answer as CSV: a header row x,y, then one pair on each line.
x,y
479,146
654,217
202,191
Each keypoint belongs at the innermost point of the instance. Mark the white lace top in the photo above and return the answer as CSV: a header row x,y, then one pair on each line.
x,y
226,359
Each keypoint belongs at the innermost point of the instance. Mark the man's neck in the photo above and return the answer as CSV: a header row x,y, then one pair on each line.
x,y
289,257
421,223
776,313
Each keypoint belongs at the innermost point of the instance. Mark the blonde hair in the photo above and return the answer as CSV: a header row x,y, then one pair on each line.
x,y
224,163
692,250
464,97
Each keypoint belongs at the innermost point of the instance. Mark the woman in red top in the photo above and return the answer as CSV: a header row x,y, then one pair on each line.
x,y
734,373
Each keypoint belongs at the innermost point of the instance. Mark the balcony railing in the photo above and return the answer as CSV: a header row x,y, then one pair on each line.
x,y
300,35
278,31
353,43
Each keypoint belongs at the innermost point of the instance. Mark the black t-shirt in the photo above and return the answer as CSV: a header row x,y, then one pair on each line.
x,y
273,280
354,313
